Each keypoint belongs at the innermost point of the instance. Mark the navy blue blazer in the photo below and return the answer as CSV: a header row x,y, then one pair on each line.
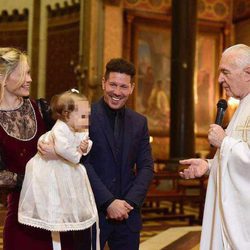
x,y
128,180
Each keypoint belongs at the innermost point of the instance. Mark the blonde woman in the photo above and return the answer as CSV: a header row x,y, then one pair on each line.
x,y
21,125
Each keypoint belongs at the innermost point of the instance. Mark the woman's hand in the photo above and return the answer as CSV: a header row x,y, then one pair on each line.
x,y
46,150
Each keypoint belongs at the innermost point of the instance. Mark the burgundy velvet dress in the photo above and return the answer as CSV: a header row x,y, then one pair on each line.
x,y
19,133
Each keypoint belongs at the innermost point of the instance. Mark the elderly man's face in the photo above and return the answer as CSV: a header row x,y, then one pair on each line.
x,y
232,77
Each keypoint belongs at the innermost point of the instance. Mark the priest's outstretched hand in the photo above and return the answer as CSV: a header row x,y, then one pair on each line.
x,y
196,168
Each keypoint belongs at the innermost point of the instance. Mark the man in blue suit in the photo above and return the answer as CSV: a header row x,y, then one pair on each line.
x,y
120,164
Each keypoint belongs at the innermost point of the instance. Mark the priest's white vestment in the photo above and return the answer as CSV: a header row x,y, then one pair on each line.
x,y
226,222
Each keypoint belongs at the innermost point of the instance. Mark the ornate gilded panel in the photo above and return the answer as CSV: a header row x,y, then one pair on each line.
x,y
214,10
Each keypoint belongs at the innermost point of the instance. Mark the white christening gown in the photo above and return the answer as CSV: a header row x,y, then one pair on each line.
x,y
56,194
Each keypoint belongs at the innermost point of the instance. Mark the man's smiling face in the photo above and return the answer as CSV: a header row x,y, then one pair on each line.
x,y
117,89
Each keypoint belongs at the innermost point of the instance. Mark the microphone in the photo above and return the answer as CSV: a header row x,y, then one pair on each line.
x,y
221,108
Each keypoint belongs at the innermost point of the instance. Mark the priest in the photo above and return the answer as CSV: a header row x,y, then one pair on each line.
x,y
226,221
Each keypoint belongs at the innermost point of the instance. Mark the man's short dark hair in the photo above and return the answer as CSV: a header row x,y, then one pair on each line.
x,y
120,65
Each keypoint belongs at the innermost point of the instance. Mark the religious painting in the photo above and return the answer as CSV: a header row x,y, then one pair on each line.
x,y
152,50
206,88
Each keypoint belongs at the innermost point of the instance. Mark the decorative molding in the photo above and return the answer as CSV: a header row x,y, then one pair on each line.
x,y
66,9
15,16
156,6
63,15
214,10
14,21
113,2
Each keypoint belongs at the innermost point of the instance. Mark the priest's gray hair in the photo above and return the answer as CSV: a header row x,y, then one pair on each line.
x,y
241,55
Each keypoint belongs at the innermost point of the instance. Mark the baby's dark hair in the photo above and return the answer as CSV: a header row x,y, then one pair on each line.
x,y
63,104
119,65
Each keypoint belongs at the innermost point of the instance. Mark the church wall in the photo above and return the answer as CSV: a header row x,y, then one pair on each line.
x,y
113,32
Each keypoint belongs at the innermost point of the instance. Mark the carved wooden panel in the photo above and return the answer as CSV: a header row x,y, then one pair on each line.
x,y
14,29
62,48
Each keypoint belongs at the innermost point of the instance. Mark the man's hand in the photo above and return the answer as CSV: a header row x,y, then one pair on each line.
x,y
118,210
216,134
46,150
197,168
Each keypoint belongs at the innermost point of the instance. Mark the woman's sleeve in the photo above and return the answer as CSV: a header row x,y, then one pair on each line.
x,y
8,179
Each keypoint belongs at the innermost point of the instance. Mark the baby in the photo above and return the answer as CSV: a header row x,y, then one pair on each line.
x,y
56,194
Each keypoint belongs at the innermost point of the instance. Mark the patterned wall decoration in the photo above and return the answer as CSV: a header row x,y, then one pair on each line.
x,y
156,6
214,10
62,48
14,29
241,10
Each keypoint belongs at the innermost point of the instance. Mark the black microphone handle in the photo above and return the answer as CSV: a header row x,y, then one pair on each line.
x,y
219,116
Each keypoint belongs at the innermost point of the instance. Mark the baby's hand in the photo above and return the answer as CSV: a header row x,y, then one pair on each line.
x,y
84,146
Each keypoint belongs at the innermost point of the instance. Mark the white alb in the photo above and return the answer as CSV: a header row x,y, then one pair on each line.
x,y
226,223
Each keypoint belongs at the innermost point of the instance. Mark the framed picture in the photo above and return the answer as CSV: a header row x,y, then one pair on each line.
x,y
148,37
148,45
152,45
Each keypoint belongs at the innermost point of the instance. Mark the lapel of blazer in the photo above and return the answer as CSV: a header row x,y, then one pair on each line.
x,y
107,130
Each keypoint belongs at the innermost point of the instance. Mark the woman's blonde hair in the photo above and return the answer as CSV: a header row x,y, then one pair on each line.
x,y
10,58
65,103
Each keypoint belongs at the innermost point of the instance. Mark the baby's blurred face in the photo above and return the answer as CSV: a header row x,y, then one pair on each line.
x,y
79,118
